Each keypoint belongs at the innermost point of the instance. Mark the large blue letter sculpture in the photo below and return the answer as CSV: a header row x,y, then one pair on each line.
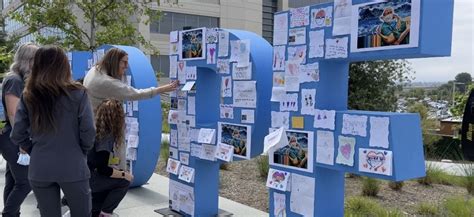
x,y
221,113
310,90
143,117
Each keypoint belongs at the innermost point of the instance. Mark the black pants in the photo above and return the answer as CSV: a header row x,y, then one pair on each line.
x,y
106,193
17,186
48,196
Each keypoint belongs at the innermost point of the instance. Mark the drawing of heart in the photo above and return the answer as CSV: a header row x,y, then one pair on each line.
x,y
375,159
181,65
346,151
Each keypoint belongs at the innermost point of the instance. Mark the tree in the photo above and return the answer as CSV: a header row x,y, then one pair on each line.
x,y
374,85
427,124
464,78
104,22
460,101
7,46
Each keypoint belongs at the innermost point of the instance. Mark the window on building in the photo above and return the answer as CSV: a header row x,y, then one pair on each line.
x,y
171,21
269,7
302,3
161,64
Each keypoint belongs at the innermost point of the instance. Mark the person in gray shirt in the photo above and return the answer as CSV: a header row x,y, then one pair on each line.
x,y
54,119
16,175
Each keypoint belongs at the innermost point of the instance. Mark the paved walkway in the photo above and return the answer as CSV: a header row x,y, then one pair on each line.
x,y
456,169
139,202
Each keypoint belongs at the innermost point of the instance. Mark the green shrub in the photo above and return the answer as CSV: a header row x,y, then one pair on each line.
x,y
165,150
165,108
224,166
458,207
435,175
426,209
468,179
363,206
263,166
396,186
370,187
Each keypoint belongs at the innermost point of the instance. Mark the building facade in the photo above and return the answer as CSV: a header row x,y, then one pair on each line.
x,y
251,15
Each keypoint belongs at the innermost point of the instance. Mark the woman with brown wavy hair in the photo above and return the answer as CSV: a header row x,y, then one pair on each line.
x,y
54,120
108,183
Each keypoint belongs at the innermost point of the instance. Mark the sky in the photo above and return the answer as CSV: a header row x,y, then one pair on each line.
x,y
462,59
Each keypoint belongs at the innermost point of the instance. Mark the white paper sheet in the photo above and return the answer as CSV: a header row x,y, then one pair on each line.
x,y
173,166
188,86
173,36
135,105
208,152
212,35
234,50
292,84
245,94
181,197
280,30
302,195
129,108
224,152
297,53
324,119
173,66
308,101
182,72
196,150
242,73
345,151
207,136
275,139
190,121
292,68
279,53
182,105
244,53
186,174
280,119
191,105
184,158
247,116
279,79
278,94
131,154
223,66
325,147
183,135
226,86
336,48
289,103
354,125
316,44
279,205
375,161
211,54
173,138
226,111
299,16
184,146
297,36
191,73
309,73
223,43
379,130
175,117
174,153
132,141
321,17
174,48
278,179
342,17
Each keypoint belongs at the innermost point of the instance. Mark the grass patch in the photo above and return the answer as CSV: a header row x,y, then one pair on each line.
x,y
165,109
435,175
363,206
426,209
224,166
263,166
165,150
468,179
458,207
370,187
396,186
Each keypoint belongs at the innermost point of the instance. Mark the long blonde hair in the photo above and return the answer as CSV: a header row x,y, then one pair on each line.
x,y
23,58
110,121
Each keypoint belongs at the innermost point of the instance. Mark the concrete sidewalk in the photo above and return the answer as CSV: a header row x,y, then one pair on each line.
x,y
139,202
455,169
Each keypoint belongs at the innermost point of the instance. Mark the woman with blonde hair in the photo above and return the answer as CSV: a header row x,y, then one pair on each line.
x,y
16,175
54,120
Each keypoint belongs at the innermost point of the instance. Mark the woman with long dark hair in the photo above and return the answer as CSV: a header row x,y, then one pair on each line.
x,y
54,120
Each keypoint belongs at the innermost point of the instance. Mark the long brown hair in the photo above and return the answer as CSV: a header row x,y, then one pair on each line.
x,y
110,63
50,79
110,121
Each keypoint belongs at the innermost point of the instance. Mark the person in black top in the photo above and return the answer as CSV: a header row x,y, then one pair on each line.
x,y
54,120
16,175
108,184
